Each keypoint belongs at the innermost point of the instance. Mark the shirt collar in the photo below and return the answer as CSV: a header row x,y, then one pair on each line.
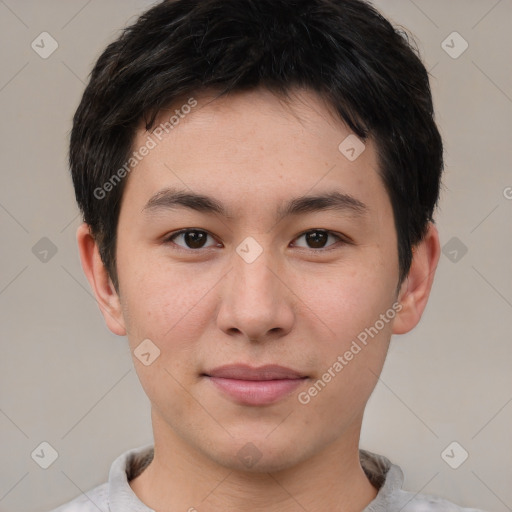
x,y
126,467
385,476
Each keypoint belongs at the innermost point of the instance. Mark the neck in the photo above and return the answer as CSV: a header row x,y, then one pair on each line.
x,y
181,478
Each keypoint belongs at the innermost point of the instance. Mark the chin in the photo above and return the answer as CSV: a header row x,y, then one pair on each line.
x,y
258,454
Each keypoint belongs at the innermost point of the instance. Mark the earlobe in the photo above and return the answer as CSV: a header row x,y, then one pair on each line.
x,y
99,280
416,287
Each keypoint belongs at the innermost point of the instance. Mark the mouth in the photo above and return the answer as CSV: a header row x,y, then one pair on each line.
x,y
247,385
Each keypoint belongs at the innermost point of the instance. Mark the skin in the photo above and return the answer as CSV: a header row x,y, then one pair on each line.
x,y
206,307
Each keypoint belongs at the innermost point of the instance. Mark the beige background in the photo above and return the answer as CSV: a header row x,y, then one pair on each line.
x,y
68,381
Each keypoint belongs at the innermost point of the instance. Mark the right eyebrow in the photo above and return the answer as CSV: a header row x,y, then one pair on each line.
x,y
170,198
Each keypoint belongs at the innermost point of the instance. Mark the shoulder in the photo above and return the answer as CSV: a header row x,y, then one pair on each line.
x,y
423,503
389,478
116,492
94,500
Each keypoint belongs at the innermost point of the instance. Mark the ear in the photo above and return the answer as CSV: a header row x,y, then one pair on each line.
x,y
415,289
101,284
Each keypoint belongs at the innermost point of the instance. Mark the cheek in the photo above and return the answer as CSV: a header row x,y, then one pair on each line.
x,y
167,309
162,304
351,298
358,307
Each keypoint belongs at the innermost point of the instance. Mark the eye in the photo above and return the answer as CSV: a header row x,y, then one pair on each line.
x,y
193,238
317,238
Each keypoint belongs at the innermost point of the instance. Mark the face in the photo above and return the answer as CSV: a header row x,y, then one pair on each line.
x,y
258,275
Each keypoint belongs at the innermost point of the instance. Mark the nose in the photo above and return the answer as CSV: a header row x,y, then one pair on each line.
x,y
256,301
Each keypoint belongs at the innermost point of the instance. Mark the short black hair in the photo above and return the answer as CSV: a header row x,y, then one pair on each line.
x,y
366,70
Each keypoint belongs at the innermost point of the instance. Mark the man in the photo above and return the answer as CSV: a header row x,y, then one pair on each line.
x,y
257,181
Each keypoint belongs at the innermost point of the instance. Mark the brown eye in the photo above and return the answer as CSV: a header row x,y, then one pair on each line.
x,y
317,238
192,238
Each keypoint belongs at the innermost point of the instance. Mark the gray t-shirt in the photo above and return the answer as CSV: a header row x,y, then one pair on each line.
x,y
116,495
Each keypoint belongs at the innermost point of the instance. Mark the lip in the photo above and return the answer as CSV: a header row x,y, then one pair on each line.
x,y
247,385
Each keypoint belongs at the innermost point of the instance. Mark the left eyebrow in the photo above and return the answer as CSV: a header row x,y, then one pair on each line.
x,y
334,200
171,198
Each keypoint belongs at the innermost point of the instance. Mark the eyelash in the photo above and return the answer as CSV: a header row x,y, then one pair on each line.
x,y
344,240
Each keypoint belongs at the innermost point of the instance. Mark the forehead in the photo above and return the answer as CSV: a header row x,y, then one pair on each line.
x,y
253,146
